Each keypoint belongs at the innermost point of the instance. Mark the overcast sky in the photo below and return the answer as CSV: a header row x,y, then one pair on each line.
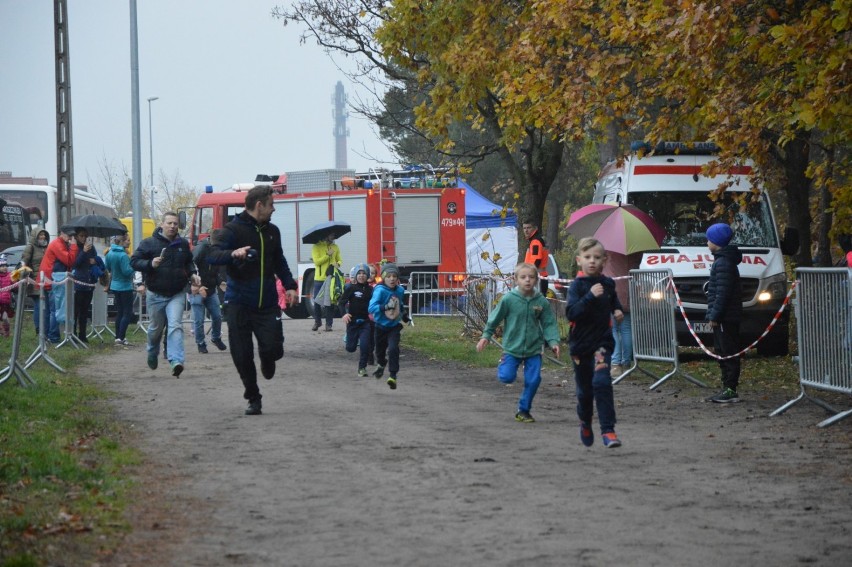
x,y
238,94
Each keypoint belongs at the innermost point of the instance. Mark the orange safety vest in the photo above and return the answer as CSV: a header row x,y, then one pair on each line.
x,y
537,254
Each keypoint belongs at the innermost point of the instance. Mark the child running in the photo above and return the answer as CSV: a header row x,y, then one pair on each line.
x,y
355,303
530,324
386,307
591,301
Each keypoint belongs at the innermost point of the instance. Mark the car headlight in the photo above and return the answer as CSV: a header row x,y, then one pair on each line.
x,y
775,288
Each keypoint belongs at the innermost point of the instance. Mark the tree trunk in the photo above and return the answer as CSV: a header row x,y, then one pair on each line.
x,y
797,187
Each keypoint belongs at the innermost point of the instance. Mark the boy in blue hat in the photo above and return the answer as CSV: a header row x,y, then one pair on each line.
x,y
725,307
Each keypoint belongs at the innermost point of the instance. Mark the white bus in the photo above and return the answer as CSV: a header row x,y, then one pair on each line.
x,y
41,203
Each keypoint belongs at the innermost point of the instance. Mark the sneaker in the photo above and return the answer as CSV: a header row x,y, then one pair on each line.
x,y
379,371
118,342
362,372
177,368
254,408
125,342
219,344
152,360
315,327
610,440
267,368
328,328
587,436
616,371
524,417
392,383
726,396
202,349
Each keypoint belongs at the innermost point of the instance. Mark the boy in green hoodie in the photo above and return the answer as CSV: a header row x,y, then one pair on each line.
x,y
530,324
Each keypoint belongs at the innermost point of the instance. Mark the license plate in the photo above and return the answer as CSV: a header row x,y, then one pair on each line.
x,y
703,328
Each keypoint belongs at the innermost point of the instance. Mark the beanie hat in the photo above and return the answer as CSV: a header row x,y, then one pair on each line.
x,y
358,268
389,268
720,234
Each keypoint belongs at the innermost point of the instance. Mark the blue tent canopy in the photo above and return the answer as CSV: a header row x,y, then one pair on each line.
x,y
482,213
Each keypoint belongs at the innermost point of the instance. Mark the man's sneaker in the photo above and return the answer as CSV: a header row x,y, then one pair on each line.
x,y
616,370
392,382
125,342
587,436
726,396
328,328
267,368
254,408
315,327
118,342
379,371
152,360
177,368
219,344
524,417
610,440
362,372
202,349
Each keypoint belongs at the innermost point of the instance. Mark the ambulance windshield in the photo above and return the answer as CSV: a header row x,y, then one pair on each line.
x,y
686,215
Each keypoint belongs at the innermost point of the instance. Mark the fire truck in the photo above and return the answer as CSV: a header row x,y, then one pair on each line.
x,y
413,217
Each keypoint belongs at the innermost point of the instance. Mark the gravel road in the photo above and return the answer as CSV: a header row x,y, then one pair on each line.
x,y
342,471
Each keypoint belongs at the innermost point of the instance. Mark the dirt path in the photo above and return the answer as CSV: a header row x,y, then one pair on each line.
x,y
340,470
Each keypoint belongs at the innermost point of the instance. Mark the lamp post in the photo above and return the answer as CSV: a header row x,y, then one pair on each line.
x,y
151,150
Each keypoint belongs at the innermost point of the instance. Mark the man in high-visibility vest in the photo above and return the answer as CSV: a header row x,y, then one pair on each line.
x,y
537,253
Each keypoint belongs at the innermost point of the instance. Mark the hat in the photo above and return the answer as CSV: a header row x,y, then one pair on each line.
x,y
68,229
359,268
720,234
389,268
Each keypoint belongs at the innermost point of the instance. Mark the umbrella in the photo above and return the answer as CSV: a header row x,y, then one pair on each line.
x,y
98,225
620,228
320,232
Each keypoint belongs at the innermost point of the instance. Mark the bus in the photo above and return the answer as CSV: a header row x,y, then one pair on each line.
x,y
40,203
14,226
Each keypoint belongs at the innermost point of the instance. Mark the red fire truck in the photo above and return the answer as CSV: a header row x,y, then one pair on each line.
x,y
414,218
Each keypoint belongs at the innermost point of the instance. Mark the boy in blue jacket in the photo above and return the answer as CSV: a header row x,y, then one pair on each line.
x,y
386,307
592,300
725,307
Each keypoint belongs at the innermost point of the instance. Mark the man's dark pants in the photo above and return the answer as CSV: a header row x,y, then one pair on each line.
x,y
265,324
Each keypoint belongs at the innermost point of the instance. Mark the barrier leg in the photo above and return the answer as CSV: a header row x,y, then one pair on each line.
x,y
41,349
15,368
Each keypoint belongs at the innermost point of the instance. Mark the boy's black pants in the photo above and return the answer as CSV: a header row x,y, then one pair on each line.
x,y
726,341
387,347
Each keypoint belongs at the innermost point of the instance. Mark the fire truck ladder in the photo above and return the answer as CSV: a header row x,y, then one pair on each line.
x,y
387,223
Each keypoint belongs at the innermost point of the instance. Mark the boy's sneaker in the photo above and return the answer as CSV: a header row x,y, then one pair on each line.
x,y
524,417
379,371
726,396
610,440
392,383
177,368
587,436
152,360
254,408
362,372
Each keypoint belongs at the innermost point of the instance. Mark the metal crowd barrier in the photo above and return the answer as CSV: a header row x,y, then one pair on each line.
x,y
823,307
100,317
652,317
15,368
437,294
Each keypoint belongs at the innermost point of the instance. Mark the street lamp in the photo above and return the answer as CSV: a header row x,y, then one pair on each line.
x,y
151,150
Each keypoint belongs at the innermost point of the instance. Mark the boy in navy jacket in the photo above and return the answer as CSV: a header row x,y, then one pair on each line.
x,y
355,303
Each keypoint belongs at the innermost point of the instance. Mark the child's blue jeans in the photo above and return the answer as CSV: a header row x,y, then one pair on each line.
x,y
507,371
594,388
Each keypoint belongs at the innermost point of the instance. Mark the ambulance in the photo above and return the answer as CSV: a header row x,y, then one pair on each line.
x,y
669,185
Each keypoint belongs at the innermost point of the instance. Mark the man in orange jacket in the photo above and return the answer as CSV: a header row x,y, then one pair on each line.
x,y
58,257
537,253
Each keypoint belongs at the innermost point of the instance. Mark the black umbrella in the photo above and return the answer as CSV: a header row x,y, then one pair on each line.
x,y
98,225
321,231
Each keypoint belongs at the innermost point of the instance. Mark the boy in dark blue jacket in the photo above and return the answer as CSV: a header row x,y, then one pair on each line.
x,y
355,303
725,308
592,300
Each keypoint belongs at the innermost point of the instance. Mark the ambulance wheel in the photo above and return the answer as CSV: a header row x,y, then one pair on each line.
x,y
308,296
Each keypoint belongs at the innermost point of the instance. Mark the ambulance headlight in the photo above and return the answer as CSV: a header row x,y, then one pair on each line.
x,y
774,289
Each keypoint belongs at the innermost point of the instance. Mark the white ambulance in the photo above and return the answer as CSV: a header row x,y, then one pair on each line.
x,y
669,186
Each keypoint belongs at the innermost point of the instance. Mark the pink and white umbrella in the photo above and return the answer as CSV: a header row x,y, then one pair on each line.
x,y
620,228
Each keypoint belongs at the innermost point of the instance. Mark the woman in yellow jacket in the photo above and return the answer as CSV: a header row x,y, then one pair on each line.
x,y
325,254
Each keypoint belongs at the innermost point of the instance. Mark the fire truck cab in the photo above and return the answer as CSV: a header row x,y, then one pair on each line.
x,y
414,218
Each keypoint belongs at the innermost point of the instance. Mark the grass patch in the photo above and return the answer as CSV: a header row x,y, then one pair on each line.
x,y
63,479
441,338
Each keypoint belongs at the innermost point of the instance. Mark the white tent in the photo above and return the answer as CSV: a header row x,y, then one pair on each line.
x,y
488,232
